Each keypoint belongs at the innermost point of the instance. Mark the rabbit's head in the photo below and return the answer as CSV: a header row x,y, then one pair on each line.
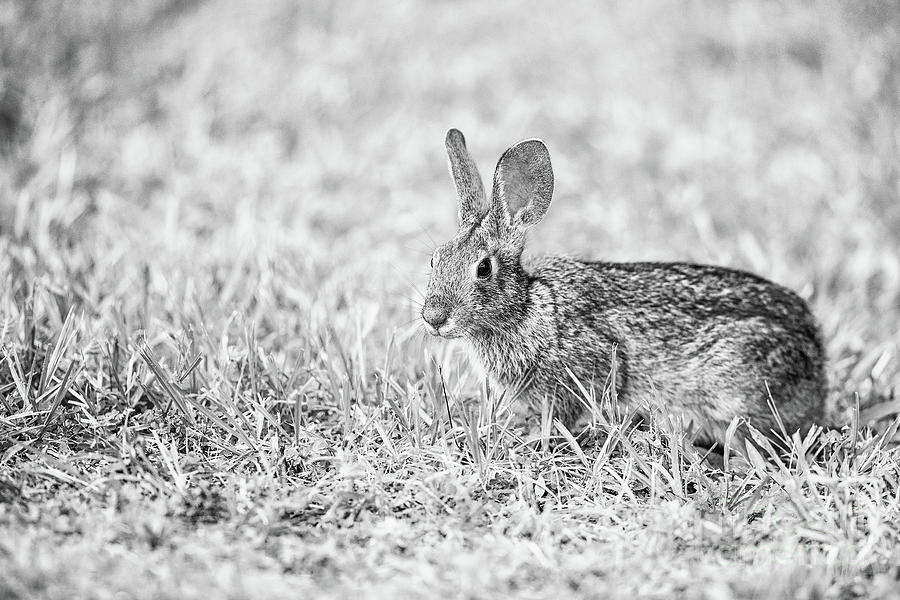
x,y
477,282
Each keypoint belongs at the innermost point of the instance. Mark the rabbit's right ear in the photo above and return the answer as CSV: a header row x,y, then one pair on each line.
x,y
523,184
469,188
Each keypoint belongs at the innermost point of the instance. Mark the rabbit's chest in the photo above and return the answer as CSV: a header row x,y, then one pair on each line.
x,y
508,365
511,356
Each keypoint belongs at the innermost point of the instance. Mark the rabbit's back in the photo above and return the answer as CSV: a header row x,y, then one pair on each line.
x,y
711,342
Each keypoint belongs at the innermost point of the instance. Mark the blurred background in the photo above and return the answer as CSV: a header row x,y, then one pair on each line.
x,y
182,162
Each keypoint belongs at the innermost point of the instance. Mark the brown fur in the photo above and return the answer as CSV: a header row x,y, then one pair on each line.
x,y
701,342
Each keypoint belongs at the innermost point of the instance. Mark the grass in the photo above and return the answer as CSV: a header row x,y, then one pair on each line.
x,y
214,220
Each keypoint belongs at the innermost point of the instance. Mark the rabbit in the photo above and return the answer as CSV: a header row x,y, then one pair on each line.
x,y
703,343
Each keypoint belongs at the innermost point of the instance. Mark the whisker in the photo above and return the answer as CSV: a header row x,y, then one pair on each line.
x,y
434,244
412,304
408,281
417,250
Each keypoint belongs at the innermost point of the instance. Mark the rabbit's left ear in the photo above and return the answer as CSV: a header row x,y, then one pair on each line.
x,y
523,184
472,203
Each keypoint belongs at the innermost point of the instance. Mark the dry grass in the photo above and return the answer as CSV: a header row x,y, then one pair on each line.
x,y
213,221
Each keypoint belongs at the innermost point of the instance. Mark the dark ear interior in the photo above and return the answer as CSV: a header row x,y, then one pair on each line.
x,y
469,188
523,183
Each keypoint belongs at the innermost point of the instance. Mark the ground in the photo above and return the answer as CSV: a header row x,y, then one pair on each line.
x,y
215,222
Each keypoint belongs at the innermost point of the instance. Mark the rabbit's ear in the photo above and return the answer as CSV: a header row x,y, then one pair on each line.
x,y
469,188
523,184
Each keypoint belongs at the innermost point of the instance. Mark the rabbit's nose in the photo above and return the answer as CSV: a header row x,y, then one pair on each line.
x,y
435,314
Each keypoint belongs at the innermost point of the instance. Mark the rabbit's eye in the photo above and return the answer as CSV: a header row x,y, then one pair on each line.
x,y
483,270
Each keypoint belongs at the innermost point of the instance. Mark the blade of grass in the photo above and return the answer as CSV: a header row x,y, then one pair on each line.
x,y
165,383
573,443
64,340
60,395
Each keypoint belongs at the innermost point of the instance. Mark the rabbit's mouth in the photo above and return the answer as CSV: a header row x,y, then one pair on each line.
x,y
447,329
